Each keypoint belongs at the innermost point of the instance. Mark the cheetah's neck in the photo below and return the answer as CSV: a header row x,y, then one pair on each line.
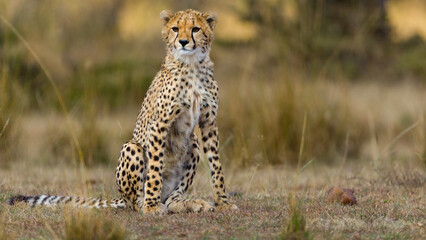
x,y
191,61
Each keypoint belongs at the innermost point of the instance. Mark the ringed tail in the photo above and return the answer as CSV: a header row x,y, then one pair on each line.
x,y
46,200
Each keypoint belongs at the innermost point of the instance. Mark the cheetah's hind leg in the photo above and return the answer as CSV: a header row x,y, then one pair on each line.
x,y
130,174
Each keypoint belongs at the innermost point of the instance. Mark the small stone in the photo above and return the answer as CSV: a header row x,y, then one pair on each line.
x,y
343,195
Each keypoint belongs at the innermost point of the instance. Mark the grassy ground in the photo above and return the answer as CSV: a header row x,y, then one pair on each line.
x,y
391,204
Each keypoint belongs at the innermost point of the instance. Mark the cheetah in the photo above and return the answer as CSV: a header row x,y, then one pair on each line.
x,y
158,165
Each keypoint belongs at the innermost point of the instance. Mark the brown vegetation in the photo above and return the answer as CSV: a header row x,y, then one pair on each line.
x,y
267,78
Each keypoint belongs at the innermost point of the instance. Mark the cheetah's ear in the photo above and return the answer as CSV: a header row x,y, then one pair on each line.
x,y
211,19
166,15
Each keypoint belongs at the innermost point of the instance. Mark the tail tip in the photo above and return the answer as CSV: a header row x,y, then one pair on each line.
x,y
15,199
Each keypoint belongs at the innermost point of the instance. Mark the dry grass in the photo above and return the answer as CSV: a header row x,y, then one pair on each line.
x,y
354,121
391,203
89,225
368,134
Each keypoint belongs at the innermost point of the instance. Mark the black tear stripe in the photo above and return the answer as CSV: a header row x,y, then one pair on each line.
x,y
192,36
174,45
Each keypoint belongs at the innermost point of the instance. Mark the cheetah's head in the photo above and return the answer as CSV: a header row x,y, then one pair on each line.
x,y
188,34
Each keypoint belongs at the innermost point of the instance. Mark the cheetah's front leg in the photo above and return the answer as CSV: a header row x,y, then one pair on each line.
x,y
153,181
210,138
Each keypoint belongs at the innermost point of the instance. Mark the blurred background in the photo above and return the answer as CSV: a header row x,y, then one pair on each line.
x,y
355,69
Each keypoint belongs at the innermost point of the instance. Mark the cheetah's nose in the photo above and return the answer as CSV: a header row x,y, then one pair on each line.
x,y
183,42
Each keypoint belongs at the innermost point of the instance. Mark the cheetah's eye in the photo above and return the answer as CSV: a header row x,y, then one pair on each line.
x,y
195,29
175,29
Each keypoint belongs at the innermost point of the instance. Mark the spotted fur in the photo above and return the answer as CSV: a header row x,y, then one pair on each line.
x,y
158,165
46,200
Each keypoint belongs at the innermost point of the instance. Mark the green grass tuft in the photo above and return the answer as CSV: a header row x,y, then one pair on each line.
x,y
295,227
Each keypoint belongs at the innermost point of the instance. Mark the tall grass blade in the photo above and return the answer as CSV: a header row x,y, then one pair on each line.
x,y
55,88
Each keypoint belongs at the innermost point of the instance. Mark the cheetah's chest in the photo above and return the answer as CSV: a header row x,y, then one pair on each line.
x,y
188,119
191,97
